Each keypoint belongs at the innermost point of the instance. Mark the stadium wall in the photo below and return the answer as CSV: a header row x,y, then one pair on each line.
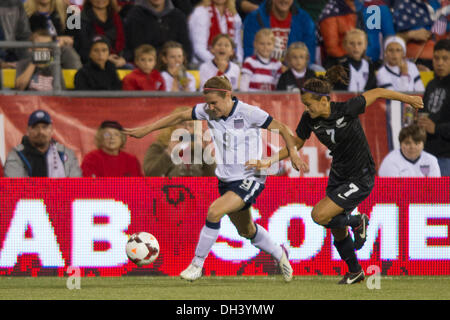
x,y
47,225
76,120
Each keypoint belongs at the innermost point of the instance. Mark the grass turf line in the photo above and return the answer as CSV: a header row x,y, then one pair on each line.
x,y
223,288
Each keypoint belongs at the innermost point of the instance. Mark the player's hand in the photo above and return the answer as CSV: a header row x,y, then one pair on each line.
x,y
258,164
403,67
416,102
419,35
299,165
136,132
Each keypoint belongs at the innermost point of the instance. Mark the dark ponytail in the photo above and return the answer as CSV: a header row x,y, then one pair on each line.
x,y
322,85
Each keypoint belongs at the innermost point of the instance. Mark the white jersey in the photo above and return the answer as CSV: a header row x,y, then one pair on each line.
x,y
259,74
199,23
358,78
397,165
389,77
237,139
209,70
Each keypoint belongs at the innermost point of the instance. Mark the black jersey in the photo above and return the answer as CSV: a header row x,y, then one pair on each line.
x,y
342,133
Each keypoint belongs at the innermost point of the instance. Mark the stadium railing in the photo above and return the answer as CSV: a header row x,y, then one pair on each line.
x,y
8,76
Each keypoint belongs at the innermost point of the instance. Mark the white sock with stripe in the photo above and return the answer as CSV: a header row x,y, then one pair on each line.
x,y
206,240
263,241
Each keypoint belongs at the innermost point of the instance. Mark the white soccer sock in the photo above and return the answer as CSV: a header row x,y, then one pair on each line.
x,y
263,241
206,240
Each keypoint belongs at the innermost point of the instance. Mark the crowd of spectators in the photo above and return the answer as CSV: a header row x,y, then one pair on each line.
x,y
346,32
260,45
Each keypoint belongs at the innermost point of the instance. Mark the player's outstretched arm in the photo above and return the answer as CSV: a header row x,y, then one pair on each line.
x,y
372,95
293,145
169,121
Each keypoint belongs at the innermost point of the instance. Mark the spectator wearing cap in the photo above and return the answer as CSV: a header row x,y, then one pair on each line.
x,y
15,26
101,17
39,155
98,73
109,160
397,72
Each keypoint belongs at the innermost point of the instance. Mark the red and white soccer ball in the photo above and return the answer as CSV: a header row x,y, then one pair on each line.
x,y
142,248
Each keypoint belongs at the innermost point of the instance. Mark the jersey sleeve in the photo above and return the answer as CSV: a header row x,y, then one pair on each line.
x,y
303,129
259,118
355,106
199,113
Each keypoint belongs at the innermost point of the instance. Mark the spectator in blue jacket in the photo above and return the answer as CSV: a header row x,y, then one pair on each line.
x,y
288,22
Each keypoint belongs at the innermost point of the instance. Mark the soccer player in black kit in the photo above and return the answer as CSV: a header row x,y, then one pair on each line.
x,y
352,173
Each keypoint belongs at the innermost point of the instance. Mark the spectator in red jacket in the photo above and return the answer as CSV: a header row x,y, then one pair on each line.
x,y
100,17
145,76
109,160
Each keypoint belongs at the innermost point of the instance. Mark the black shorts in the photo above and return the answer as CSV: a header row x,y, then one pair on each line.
x,y
247,189
349,193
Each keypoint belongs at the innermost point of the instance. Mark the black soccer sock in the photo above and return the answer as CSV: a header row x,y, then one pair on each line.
x,y
342,220
346,250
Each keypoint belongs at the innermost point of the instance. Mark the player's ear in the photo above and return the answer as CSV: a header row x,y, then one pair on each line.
x,y
323,100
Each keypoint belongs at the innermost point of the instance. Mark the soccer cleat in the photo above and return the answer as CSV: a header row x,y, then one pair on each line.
x,y
360,232
285,265
351,278
191,273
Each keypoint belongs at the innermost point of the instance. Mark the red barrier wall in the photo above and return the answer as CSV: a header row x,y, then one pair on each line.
x,y
47,225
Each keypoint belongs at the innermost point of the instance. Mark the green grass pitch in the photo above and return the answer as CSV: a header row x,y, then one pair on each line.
x,y
226,288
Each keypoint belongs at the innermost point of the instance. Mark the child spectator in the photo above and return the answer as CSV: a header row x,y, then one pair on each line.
x,y
223,51
145,76
260,72
410,160
172,65
297,58
340,16
209,19
398,73
37,73
109,160
51,16
98,73
361,71
101,17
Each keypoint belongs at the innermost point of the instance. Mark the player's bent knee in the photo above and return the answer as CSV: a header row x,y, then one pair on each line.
x,y
214,215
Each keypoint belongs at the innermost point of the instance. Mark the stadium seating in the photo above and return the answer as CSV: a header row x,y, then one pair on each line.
x,y
9,76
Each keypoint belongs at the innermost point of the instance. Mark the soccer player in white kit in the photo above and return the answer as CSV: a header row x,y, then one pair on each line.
x,y
234,125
